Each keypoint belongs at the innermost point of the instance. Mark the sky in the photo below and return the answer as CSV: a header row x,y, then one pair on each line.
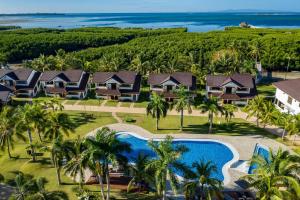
x,y
98,6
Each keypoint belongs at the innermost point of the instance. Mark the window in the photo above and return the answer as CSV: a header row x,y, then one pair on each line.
x,y
156,86
242,89
290,100
126,85
215,88
72,84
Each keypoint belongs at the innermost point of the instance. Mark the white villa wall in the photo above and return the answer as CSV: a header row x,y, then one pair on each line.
x,y
293,108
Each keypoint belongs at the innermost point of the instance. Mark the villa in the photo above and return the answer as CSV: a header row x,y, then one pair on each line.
x,y
235,89
287,97
19,82
69,83
122,85
166,84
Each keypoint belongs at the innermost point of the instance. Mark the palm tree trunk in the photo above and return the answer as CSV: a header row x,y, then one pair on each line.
x,y
283,134
181,120
40,137
294,139
101,186
58,175
210,123
8,148
107,184
156,122
81,179
32,148
164,195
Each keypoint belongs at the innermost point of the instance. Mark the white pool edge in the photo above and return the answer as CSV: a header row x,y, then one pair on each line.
x,y
226,167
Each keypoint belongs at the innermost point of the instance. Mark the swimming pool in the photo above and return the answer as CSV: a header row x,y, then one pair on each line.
x,y
221,154
260,151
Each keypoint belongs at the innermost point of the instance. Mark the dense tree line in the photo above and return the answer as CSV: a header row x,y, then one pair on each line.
x,y
4,28
20,44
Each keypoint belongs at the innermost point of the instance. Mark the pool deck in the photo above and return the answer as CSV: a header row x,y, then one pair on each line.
x,y
244,145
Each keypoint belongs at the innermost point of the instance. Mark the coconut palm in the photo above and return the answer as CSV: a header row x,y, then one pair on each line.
x,y
58,124
201,183
294,126
213,108
24,185
54,104
276,176
165,164
78,162
283,120
269,113
39,118
140,175
228,111
8,129
157,107
26,121
254,108
256,50
43,194
182,102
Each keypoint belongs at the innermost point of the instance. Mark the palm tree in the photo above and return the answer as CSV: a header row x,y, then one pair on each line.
x,y
165,164
140,175
256,50
58,124
228,111
212,107
43,194
254,108
269,113
26,121
60,150
54,104
8,129
157,107
78,162
283,120
183,101
202,182
39,118
109,149
24,185
294,126
275,177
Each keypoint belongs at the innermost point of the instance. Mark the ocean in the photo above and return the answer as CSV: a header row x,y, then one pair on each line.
x,y
195,22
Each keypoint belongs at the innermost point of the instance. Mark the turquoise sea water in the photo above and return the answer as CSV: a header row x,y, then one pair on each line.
x,y
218,153
195,22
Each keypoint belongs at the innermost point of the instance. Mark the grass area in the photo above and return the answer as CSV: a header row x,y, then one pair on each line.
x,y
70,101
85,122
266,90
90,102
141,104
196,125
111,103
126,104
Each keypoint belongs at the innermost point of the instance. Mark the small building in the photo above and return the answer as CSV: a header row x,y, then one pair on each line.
x,y
123,85
167,84
287,96
70,83
234,89
22,82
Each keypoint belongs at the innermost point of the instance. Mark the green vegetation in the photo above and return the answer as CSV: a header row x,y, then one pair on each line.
x,y
112,103
4,28
266,90
276,176
90,102
22,44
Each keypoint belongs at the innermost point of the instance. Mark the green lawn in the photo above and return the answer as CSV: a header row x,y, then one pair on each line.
x,y
266,90
111,103
196,125
126,104
70,101
141,104
90,102
85,122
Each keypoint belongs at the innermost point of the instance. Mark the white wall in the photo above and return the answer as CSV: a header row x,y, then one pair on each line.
x,y
293,108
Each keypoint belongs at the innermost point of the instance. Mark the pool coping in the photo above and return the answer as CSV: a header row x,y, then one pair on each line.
x,y
225,168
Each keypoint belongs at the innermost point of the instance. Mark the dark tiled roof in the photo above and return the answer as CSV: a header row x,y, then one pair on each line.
x,y
183,78
127,77
290,87
105,92
242,80
32,83
21,74
82,85
4,93
71,75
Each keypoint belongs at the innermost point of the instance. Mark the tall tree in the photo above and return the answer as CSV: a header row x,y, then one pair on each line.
x,y
8,129
228,111
213,108
165,164
157,107
202,183
183,101
58,124
254,108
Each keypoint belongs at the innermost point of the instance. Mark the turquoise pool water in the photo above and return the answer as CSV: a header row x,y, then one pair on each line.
x,y
261,151
218,153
